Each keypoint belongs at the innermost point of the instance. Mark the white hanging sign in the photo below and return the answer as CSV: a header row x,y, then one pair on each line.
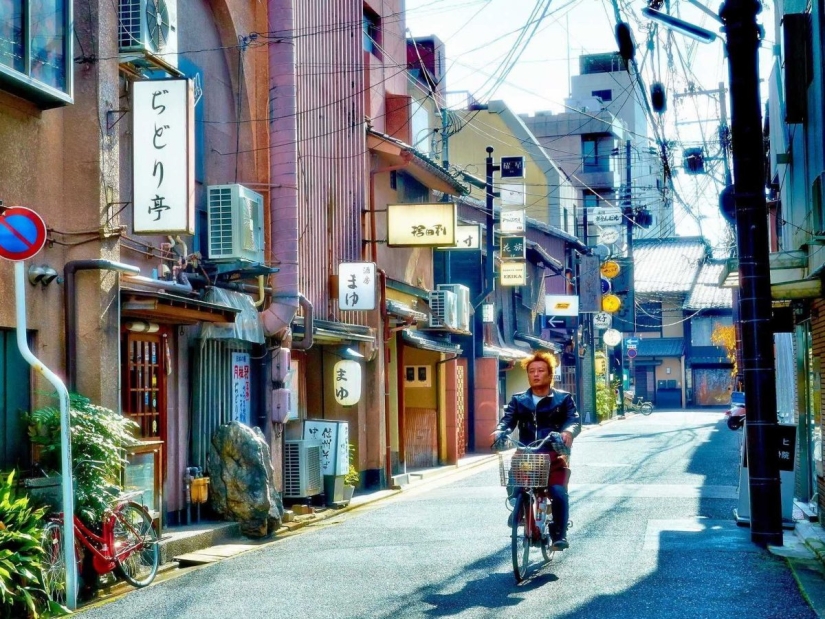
x,y
511,194
241,387
561,305
163,170
356,285
604,216
511,221
467,237
513,273
347,382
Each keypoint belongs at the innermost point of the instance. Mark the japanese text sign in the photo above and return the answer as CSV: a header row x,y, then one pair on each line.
x,y
334,439
347,382
421,225
513,248
356,285
241,387
467,237
163,180
511,195
512,167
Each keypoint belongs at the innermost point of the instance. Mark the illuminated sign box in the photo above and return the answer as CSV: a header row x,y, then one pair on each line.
x,y
513,273
421,225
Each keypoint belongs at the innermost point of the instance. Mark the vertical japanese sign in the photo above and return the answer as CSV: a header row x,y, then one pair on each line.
x,y
241,388
163,180
356,285
334,439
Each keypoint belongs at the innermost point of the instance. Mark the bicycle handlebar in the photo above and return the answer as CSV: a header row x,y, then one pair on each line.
x,y
555,439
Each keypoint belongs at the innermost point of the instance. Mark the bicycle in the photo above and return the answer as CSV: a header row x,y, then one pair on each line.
x,y
528,473
127,544
640,405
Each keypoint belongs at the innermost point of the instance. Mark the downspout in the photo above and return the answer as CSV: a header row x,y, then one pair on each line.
x,y
283,131
69,306
385,339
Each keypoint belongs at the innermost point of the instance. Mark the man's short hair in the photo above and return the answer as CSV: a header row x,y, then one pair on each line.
x,y
545,357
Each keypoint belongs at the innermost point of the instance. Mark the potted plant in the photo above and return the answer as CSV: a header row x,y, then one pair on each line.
x,y
352,478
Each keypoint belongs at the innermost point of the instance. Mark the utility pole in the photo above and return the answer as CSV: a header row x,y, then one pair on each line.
x,y
627,212
445,139
739,18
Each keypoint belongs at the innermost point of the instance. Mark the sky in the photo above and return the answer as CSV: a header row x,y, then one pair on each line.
x,y
479,34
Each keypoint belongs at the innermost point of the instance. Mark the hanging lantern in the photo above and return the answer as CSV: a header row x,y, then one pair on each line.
x,y
347,382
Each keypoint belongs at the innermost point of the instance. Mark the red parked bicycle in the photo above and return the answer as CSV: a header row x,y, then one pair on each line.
x,y
127,544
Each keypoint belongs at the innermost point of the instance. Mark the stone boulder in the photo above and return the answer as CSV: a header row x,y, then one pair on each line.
x,y
241,474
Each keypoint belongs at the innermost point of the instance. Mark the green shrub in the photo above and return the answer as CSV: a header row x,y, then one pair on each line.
x,y
352,477
605,399
22,593
99,435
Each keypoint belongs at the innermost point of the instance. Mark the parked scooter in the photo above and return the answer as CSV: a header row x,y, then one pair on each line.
x,y
735,415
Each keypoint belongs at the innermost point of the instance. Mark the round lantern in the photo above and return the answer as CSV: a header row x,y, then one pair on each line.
x,y
347,382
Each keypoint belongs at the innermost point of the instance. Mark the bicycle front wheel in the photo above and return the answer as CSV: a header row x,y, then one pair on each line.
x,y
520,535
647,408
136,545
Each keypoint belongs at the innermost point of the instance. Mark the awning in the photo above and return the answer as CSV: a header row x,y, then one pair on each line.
x,y
402,310
660,347
785,266
537,343
164,307
508,354
330,332
425,342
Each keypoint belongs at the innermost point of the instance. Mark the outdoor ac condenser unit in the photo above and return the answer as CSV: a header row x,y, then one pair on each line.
x,y
462,304
236,218
302,469
443,309
149,27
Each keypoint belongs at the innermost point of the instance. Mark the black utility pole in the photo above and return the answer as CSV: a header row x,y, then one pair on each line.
x,y
739,17
627,212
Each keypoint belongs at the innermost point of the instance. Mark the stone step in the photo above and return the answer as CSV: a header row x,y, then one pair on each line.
x,y
180,540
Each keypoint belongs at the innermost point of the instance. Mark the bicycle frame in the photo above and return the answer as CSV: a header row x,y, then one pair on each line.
x,y
102,547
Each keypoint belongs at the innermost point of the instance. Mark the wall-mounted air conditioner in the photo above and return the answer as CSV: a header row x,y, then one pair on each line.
x,y
462,304
443,310
236,218
302,469
148,27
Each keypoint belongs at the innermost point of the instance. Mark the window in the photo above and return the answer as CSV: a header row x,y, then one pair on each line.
x,y
604,95
595,154
702,327
36,51
591,200
372,32
649,317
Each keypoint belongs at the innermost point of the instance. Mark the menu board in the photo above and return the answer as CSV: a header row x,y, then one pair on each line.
x,y
139,475
334,439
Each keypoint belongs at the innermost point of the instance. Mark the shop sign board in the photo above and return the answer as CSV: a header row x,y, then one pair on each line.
x,y
467,237
605,216
241,388
511,195
511,221
421,225
561,305
356,286
513,248
513,273
163,156
512,167
602,320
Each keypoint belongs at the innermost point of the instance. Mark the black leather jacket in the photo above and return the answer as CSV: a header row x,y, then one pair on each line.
x,y
554,413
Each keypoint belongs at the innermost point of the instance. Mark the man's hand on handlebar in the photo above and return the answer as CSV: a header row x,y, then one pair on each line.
x,y
567,437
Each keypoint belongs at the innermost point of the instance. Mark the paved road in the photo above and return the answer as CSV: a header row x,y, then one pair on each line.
x,y
653,537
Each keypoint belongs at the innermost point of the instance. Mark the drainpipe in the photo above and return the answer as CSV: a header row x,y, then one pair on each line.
x,y
69,306
373,251
385,338
283,131
160,284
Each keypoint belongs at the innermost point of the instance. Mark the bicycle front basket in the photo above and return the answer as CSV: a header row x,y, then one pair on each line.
x,y
525,470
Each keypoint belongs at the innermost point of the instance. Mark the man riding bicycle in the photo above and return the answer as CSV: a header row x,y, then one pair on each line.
x,y
537,412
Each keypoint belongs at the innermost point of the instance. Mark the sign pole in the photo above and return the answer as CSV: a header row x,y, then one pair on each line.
x,y
65,443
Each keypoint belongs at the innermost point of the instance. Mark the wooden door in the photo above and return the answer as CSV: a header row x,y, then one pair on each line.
x,y
144,382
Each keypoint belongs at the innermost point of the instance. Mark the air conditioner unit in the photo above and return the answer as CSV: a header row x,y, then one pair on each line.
x,y
302,469
443,309
148,27
462,304
236,218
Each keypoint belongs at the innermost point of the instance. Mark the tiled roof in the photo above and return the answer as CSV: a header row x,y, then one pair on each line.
x,y
706,293
667,265
660,347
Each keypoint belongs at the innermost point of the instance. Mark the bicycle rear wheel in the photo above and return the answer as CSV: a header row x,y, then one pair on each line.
x,y
546,542
136,544
520,535
647,408
54,564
